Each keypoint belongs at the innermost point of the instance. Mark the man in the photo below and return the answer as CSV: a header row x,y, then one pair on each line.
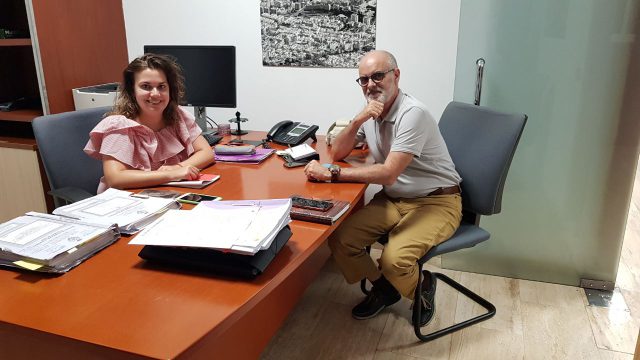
x,y
420,204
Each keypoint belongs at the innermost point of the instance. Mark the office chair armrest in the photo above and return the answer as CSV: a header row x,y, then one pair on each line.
x,y
70,194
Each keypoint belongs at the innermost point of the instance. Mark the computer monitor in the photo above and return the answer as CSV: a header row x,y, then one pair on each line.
x,y
209,73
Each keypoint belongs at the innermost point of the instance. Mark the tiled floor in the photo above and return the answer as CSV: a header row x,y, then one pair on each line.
x,y
535,320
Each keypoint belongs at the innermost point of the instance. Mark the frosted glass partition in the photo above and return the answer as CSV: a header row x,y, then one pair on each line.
x,y
567,65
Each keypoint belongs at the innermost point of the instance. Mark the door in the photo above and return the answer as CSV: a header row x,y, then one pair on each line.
x,y
570,66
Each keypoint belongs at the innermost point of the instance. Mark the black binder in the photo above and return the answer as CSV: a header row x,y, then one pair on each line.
x,y
217,262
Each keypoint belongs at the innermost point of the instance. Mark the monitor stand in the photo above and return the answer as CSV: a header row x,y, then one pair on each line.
x,y
200,113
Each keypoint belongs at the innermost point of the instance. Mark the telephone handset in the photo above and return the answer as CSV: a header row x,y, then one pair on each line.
x,y
287,132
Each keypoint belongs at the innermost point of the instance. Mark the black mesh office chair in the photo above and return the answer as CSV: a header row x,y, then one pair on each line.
x,y
72,174
481,143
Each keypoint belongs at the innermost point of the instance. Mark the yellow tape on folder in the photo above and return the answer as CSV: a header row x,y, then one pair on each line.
x,y
28,265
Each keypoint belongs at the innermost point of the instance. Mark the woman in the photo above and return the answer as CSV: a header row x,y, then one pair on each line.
x,y
148,139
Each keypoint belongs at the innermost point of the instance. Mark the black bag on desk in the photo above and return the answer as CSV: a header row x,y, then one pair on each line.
x,y
217,262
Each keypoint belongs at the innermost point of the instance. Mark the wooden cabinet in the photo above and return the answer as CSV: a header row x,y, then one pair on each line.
x,y
61,45
21,186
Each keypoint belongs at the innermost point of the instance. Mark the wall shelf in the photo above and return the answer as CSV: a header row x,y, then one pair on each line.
x,y
15,42
24,115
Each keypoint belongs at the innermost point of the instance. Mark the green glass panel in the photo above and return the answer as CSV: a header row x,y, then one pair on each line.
x,y
566,64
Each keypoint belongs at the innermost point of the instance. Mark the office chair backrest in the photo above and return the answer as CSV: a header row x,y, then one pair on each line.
x,y
61,138
481,143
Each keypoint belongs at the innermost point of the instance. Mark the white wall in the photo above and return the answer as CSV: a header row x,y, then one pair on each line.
x,y
422,34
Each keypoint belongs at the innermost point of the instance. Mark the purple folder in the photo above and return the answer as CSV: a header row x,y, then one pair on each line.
x,y
256,158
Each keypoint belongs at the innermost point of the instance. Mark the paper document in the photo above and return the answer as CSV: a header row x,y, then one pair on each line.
x,y
243,226
118,207
301,151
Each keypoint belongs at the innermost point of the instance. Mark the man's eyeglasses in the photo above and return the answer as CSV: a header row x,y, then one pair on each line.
x,y
377,77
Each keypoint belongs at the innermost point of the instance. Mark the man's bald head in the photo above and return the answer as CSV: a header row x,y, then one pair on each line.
x,y
378,55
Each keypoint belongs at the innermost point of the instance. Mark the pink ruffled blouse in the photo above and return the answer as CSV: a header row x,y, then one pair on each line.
x,y
138,146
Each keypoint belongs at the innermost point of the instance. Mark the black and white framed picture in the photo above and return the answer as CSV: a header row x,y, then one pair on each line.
x,y
317,33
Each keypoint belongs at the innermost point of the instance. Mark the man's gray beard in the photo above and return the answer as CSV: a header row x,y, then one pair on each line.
x,y
380,97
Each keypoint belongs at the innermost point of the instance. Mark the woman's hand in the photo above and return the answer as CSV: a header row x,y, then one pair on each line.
x,y
187,172
182,172
120,176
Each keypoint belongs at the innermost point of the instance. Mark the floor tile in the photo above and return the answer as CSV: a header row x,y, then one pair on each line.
x,y
557,333
632,298
480,343
614,355
613,329
554,295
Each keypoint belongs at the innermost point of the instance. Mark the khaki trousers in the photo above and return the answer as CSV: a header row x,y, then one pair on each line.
x,y
414,226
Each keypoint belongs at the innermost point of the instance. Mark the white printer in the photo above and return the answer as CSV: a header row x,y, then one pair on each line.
x,y
95,96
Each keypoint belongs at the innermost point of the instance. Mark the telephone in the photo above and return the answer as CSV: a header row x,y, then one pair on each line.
x,y
287,132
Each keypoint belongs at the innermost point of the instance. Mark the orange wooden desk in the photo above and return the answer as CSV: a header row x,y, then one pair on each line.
x,y
116,306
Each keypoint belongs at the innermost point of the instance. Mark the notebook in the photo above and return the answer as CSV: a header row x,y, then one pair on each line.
x,y
204,180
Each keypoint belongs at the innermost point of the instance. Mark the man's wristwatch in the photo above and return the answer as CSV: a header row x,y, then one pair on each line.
x,y
335,172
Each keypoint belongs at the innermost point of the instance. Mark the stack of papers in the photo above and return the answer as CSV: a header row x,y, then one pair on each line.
x,y
113,206
50,243
256,158
241,226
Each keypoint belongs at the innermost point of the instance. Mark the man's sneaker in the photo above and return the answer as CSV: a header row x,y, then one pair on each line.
x,y
427,300
375,302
